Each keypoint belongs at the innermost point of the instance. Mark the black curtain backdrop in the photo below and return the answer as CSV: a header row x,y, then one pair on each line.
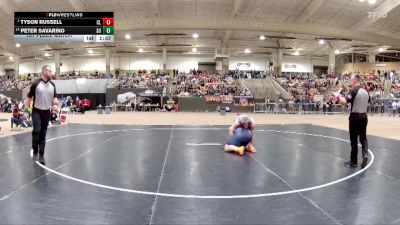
x,y
154,99
13,94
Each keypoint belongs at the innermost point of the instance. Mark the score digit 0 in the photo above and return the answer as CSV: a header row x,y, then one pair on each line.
x,y
108,22
108,30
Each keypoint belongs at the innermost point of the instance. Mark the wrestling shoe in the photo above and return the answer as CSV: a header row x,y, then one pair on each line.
x,y
41,159
33,155
364,162
350,164
240,150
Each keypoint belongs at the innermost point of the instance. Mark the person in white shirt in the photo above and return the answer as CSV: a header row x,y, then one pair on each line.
x,y
395,105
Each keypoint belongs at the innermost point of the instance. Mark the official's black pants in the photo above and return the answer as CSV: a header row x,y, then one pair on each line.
x,y
40,120
358,128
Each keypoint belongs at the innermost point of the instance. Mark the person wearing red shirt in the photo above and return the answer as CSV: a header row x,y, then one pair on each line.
x,y
15,119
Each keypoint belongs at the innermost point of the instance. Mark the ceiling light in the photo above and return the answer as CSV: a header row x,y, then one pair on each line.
x,y
141,50
321,41
195,35
194,49
46,54
18,45
247,51
371,2
296,53
337,51
262,37
127,36
90,51
381,49
10,58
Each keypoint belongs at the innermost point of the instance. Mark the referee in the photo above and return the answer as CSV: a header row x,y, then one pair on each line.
x,y
43,94
358,98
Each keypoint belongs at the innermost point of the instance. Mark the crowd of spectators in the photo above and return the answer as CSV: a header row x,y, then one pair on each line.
x,y
142,79
195,83
7,103
302,86
376,82
11,83
88,75
199,83
20,115
203,83
305,86
247,74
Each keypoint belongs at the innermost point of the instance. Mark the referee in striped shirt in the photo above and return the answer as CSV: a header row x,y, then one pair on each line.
x,y
44,96
358,98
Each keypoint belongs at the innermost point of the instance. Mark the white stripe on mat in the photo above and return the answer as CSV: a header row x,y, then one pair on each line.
x,y
203,144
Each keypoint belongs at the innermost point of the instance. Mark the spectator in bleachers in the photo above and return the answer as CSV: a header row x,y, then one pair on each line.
x,y
16,118
6,104
305,86
10,83
203,83
394,107
143,79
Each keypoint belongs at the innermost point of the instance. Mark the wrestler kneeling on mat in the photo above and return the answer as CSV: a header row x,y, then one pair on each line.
x,y
242,135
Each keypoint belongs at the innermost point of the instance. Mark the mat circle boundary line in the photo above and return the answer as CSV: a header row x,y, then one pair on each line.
x,y
205,196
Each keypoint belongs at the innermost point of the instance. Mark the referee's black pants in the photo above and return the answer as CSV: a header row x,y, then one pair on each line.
x,y
40,120
358,128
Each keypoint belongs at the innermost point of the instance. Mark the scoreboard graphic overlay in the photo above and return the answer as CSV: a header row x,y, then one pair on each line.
x,y
64,26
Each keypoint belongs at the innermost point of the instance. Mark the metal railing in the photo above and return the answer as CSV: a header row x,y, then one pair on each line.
x,y
243,84
312,108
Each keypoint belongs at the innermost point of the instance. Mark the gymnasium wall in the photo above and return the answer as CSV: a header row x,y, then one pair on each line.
x,y
320,62
301,64
150,62
362,67
137,62
248,63
34,66
90,86
6,66
134,62
185,63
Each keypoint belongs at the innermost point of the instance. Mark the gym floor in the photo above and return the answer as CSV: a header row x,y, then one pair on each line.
x,y
125,174
382,126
